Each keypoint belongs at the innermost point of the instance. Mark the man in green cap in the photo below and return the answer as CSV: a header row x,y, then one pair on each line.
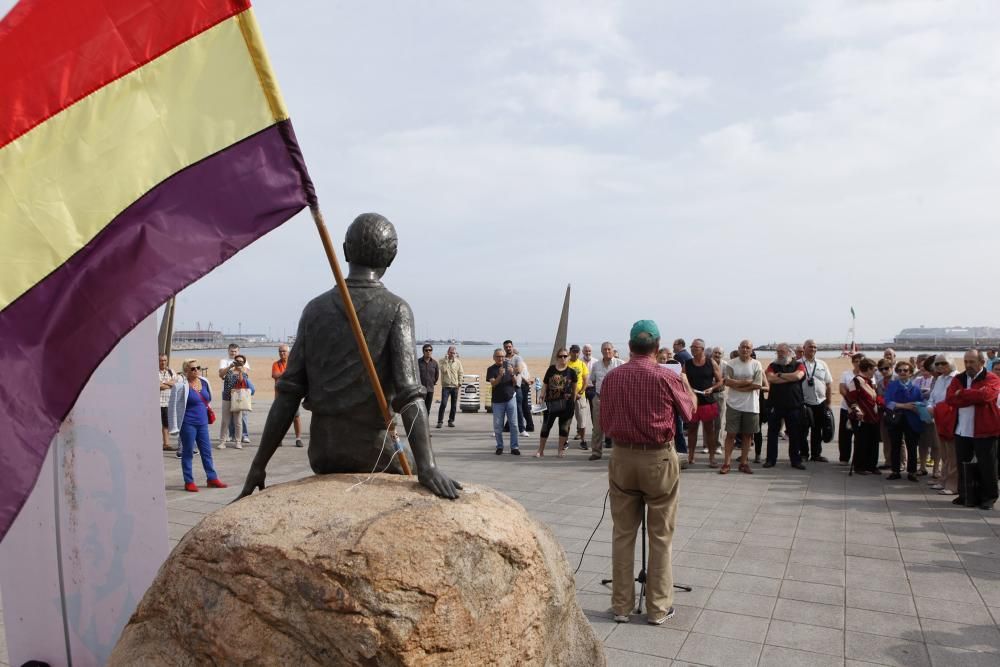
x,y
639,401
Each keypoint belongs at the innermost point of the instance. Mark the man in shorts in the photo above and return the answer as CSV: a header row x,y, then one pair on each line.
x,y
744,376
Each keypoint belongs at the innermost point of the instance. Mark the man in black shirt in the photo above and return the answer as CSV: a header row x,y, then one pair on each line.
x,y
786,400
503,377
429,374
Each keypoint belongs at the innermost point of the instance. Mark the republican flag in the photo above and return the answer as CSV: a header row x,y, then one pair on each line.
x,y
142,144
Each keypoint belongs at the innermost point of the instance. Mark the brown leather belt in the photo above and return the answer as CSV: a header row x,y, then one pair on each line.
x,y
669,444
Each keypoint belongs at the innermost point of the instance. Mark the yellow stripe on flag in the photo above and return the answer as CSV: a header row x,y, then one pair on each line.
x,y
63,181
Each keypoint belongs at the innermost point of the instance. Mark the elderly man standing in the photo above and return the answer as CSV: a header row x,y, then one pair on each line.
x,y
599,370
816,389
277,370
784,376
639,401
973,394
451,381
744,377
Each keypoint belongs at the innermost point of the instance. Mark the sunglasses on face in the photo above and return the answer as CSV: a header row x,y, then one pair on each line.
x,y
563,356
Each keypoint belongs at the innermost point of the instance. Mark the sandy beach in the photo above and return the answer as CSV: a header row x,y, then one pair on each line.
x,y
261,371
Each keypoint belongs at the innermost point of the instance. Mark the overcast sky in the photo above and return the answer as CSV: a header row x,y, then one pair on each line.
x,y
729,169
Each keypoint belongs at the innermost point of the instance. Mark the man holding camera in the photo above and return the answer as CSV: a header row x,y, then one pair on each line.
x,y
639,401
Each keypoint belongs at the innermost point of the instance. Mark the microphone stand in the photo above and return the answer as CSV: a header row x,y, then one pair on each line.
x,y
641,578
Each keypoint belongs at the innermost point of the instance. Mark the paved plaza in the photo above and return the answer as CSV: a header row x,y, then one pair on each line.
x,y
787,567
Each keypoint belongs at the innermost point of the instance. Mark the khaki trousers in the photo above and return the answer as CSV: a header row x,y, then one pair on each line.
x,y
641,479
949,465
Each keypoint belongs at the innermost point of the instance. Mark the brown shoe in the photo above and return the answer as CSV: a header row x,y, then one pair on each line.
x,y
745,468
724,470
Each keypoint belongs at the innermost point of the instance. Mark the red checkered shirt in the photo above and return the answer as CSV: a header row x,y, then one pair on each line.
x,y
639,400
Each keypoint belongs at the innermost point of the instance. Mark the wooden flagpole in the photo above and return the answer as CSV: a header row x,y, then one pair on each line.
x,y
359,336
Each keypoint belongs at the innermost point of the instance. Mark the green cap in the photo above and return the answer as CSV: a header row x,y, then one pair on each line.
x,y
644,331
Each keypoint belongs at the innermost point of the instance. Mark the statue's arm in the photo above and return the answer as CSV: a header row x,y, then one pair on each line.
x,y
290,388
407,402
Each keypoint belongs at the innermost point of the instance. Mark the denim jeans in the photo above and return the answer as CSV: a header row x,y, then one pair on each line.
x,y
508,410
680,439
190,434
445,393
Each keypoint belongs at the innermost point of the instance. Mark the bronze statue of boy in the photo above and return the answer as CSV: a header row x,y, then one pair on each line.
x,y
347,433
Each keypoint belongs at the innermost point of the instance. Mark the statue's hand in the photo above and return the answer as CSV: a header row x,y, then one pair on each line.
x,y
439,483
255,480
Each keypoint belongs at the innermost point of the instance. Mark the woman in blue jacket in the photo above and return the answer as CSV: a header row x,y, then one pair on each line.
x,y
901,399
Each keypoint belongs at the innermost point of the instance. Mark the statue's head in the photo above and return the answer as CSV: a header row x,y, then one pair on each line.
x,y
370,241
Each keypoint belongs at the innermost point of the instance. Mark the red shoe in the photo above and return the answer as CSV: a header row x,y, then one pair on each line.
x,y
192,487
217,484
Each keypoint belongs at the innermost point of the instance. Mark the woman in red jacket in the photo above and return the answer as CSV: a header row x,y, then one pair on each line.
x,y
864,415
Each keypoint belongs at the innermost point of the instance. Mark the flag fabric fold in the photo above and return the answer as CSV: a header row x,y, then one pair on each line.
x,y
142,143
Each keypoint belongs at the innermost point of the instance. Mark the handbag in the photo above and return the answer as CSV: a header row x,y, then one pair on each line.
x,y
208,409
239,397
828,425
893,418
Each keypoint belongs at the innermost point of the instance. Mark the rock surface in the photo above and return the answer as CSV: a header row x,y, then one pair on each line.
x,y
325,572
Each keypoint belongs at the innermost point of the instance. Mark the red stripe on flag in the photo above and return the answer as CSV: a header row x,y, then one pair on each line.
x,y
56,52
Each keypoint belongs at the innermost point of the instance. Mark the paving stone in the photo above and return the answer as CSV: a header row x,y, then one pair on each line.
x,y
809,592
710,547
701,561
894,603
747,583
778,656
708,650
741,603
962,635
640,637
937,558
621,658
897,585
812,613
732,626
956,612
759,568
816,575
947,656
758,552
883,623
800,636
870,551
885,651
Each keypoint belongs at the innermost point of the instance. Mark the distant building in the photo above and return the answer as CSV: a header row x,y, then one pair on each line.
x,y
950,336
200,338
245,339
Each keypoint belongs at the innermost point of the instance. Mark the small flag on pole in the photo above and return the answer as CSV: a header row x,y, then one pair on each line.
x,y
142,144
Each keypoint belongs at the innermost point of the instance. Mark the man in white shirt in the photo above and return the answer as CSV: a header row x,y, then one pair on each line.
x,y
845,435
599,370
744,377
816,387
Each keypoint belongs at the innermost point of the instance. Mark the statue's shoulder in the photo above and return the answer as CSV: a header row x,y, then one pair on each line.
x,y
330,301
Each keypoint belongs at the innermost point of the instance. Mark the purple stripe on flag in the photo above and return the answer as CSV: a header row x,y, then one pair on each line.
x,y
55,335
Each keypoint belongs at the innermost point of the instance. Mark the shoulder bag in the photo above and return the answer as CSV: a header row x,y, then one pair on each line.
x,y
208,408
239,397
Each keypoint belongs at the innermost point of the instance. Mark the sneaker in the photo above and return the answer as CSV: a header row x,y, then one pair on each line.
x,y
239,445
894,475
222,445
245,440
662,619
745,469
439,424
451,425
596,457
622,618
298,442
819,459
911,477
522,434
937,487
768,464
515,452
584,445
946,492
798,466
499,451
178,453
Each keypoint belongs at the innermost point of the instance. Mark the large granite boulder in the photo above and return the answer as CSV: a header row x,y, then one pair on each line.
x,y
325,572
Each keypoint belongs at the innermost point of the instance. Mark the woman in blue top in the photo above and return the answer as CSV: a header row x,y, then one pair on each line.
x,y
901,397
194,427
